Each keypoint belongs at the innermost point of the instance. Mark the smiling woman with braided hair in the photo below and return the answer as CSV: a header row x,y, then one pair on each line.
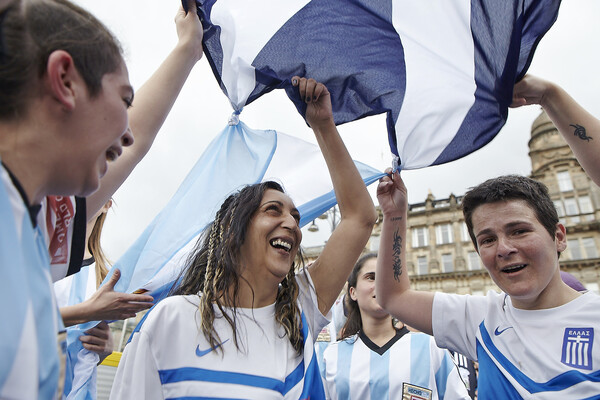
x,y
243,321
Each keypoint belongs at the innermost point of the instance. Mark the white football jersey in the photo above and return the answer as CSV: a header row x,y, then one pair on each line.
x,y
534,354
169,357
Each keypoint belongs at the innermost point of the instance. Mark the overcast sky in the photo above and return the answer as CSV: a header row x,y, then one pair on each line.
x,y
568,55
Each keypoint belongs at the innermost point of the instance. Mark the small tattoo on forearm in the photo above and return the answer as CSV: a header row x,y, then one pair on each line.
x,y
396,252
580,132
396,219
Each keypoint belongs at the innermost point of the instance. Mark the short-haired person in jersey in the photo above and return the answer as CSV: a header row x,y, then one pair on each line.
x,y
535,340
64,95
376,360
243,321
152,104
63,218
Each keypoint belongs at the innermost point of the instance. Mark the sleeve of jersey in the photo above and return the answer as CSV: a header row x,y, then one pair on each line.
x,y
137,376
455,320
308,299
447,379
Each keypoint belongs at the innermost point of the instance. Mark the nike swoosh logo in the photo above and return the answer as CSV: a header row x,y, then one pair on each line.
x,y
202,353
497,332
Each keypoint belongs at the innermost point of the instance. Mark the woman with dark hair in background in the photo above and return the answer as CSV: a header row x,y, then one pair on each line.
x,y
375,360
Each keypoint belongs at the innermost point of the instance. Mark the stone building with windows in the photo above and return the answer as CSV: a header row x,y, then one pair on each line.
x,y
440,255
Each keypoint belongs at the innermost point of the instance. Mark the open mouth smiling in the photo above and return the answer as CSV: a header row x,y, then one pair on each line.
x,y
281,244
513,268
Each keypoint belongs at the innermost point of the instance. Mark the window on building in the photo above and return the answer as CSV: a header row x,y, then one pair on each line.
x,y
571,206
585,205
422,267
575,249
447,263
474,261
464,233
589,247
419,236
592,287
443,233
564,181
559,208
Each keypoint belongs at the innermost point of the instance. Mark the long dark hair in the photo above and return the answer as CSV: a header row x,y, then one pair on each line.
x,y
354,321
214,269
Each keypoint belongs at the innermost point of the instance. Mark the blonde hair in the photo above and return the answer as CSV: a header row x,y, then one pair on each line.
x,y
102,263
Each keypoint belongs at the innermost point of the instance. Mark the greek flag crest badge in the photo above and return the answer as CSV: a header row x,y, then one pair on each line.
x,y
577,347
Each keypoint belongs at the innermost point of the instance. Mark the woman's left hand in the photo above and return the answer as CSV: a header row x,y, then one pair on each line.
x,y
317,99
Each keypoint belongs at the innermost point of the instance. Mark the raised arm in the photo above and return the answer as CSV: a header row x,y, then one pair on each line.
x,y
152,103
331,269
392,285
580,129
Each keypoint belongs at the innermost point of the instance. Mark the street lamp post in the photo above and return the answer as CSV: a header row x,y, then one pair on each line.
x,y
332,216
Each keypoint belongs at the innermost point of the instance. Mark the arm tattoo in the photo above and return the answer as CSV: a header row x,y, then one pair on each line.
x,y
580,132
396,251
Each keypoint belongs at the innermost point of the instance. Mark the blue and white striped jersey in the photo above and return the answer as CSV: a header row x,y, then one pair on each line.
x,y
29,347
409,366
535,354
169,357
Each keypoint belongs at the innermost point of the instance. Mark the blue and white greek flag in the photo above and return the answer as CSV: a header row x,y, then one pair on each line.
x,y
442,71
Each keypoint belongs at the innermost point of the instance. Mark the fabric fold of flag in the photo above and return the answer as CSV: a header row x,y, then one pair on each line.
x,y
443,72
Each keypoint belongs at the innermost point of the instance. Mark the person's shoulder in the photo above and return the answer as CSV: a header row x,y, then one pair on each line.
x,y
347,341
490,298
420,337
171,308
178,303
590,296
587,301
